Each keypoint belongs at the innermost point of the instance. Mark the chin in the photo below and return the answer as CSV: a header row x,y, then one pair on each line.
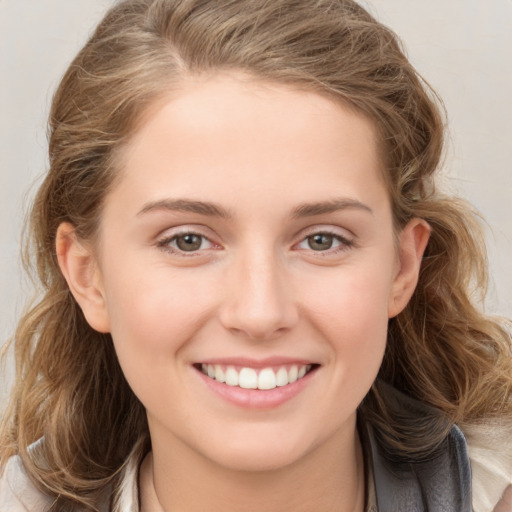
x,y
267,453
256,461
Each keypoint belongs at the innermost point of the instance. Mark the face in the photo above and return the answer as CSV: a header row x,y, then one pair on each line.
x,y
249,237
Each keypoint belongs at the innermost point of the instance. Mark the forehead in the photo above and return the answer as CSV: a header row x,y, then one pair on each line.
x,y
224,134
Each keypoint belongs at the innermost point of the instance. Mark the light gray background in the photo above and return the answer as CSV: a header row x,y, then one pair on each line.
x,y
463,48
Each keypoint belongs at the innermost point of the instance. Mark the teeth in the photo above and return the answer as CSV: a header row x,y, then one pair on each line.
x,y
249,378
267,379
293,374
219,374
282,377
231,377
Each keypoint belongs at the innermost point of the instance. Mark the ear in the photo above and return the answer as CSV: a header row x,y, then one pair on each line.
x,y
79,267
412,243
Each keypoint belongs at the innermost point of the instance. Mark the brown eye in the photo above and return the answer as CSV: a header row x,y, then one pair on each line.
x,y
320,241
189,242
186,243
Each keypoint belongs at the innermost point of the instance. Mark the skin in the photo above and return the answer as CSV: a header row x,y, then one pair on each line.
x,y
505,504
255,288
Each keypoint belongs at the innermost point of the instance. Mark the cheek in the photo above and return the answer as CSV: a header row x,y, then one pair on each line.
x,y
356,296
146,301
351,309
153,314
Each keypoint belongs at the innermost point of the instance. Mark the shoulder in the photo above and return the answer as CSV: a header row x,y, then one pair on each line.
x,y
17,492
470,470
490,453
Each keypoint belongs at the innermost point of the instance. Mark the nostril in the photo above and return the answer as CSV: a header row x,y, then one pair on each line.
x,y
259,309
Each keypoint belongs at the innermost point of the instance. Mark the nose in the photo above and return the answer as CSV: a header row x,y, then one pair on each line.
x,y
258,299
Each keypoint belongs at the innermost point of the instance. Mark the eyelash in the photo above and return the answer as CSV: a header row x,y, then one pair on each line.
x,y
345,243
164,244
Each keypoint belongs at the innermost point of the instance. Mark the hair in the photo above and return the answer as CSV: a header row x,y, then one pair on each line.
x,y
441,350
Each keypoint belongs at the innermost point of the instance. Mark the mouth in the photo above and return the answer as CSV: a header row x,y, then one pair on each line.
x,y
247,377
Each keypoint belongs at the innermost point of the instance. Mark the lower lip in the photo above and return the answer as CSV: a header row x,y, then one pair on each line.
x,y
257,398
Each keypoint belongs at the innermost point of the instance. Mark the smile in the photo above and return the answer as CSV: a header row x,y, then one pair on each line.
x,y
251,378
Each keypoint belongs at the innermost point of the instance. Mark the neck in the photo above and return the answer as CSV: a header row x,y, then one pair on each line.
x,y
328,479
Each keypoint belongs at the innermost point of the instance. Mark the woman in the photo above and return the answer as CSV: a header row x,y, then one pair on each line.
x,y
256,299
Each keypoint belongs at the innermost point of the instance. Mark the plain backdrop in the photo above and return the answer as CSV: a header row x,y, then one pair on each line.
x,y
462,47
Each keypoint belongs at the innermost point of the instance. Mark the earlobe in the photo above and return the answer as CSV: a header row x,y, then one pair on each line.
x,y
413,241
78,265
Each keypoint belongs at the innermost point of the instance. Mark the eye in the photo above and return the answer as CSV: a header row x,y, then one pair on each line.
x,y
189,242
325,242
320,241
185,243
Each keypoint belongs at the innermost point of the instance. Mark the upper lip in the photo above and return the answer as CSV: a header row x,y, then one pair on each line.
x,y
256,363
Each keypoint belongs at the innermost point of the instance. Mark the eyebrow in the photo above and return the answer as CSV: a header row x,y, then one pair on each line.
x,y
214,210
323,207
186,205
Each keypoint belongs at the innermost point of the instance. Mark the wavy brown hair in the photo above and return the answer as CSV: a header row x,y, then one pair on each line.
x,y
442,350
